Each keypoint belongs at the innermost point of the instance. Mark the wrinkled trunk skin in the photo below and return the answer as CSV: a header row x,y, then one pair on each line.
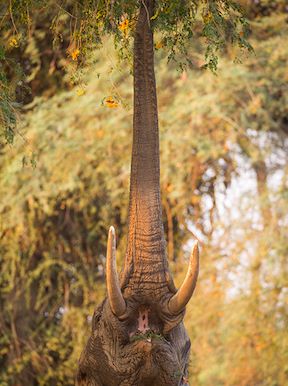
x,y
146,242
147,345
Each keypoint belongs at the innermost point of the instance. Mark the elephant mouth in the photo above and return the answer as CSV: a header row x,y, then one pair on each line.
x,y
147,336
156,352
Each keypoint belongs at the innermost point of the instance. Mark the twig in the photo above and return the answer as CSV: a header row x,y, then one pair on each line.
x,y
11,16
148,16
63,9
28,22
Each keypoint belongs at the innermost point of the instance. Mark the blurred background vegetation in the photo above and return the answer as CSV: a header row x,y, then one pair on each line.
x,y
64,177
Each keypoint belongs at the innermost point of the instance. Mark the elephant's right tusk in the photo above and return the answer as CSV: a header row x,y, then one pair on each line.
x,y
178,302
116,300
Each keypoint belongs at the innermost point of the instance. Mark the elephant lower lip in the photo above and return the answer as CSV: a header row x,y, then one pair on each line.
x,y
147,337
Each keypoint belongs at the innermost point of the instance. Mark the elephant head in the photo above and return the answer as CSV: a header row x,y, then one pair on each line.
x,y
138,337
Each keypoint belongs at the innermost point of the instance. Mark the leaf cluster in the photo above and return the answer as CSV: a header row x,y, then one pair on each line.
x,y
42,34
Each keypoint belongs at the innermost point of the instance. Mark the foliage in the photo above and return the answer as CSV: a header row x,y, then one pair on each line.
x,y
38,31
223,180
148,335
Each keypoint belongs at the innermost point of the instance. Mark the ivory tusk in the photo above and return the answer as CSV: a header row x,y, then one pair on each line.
x,y
116,300
179,301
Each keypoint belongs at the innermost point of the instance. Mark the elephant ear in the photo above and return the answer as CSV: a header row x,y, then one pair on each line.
x,y
115,297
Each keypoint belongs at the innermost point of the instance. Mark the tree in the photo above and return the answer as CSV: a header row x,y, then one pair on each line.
x,y
145,193
77,28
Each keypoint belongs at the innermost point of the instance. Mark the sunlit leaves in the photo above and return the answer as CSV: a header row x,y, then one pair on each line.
x,y
80,91
7,120
123,26
224,23
110,102
177,24
74,54
13,42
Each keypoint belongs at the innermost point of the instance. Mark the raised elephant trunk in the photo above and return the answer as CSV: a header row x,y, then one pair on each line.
x,y
146,271
145,264
138,338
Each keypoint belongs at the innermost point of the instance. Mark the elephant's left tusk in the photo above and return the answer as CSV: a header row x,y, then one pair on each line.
x,y
178,302
116,300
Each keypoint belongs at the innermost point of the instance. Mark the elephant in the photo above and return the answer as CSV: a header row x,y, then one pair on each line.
x,y
138,337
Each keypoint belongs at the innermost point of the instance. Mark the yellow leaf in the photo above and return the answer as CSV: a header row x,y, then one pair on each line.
x,y
123,26
13,42
111,102
74,54
100,133
195,199
207,17
154,16
159,45
80,91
